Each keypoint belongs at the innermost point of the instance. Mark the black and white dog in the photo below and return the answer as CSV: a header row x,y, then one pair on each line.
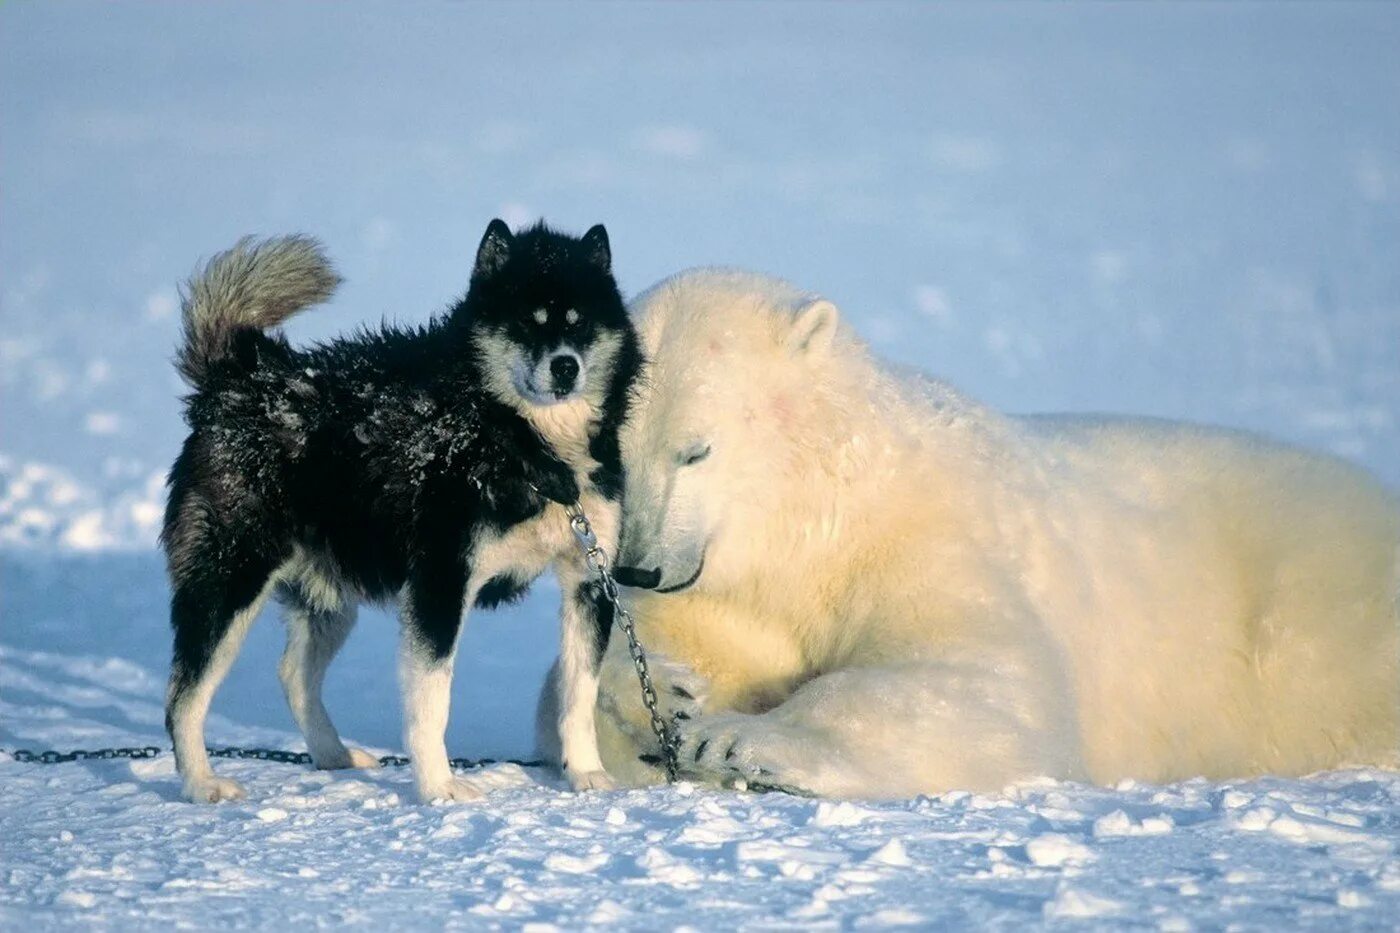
x,y
419,464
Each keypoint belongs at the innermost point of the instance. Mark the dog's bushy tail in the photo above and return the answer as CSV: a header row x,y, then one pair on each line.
x,y
258,284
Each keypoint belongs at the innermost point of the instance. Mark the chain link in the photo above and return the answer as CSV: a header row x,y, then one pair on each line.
x,y
597,560
281,756
387,761
52,757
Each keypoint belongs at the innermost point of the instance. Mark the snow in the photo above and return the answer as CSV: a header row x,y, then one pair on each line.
x,y
80,667
1188,211
112,839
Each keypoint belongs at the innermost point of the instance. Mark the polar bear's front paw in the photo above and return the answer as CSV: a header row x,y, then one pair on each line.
x,y
735,749
681,695
681,691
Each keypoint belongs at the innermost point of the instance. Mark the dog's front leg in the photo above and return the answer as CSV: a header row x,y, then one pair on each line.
x,y
431,617
585,624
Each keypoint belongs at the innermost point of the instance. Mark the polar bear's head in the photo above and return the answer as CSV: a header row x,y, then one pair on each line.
x,y
731,409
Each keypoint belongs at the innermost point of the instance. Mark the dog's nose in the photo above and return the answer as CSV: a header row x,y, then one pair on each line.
x,y
564,371
637,577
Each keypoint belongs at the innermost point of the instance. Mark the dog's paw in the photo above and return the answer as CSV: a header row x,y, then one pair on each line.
x,y
346,758
359,758
589,780
453,790
213,789
737,749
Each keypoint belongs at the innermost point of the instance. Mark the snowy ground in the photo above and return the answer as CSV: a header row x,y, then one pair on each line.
x,y
112,839
1188,211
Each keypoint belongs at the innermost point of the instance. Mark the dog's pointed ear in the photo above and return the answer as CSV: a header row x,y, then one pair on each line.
x,y
813,327
596,248
494,250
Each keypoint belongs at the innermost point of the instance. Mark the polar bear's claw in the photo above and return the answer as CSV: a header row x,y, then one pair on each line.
x,y
685,689
681,694
737,749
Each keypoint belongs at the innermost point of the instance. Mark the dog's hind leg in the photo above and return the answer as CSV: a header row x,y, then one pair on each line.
x,y
217,595
319,619
585,624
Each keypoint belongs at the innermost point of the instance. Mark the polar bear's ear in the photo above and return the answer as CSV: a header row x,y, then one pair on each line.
x,y
813,327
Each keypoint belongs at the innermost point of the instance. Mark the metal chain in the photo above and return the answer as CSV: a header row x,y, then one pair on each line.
x,y
597,559
52,757
28,756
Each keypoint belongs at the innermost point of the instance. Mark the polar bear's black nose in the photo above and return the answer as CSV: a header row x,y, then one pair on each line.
x,y
563,371
635,576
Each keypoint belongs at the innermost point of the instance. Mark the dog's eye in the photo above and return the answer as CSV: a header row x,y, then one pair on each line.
x,y
693,454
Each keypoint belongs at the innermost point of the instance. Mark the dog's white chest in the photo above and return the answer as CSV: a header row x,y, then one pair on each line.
x,y
527,550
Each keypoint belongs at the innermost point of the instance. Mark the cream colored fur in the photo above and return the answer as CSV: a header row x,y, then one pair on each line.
x,y
904,591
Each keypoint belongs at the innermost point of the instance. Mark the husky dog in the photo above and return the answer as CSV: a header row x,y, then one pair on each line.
x,y
419,464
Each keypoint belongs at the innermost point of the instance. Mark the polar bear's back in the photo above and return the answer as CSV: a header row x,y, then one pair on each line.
x,y
1159,459
1261,629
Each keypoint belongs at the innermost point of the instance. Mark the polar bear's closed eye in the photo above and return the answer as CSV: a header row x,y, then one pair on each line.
x,y
693,453
677,487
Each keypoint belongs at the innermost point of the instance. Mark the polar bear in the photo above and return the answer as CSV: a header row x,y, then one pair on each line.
x,y
862,583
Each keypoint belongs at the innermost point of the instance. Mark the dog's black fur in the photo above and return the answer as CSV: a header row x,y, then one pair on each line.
x,y
381,457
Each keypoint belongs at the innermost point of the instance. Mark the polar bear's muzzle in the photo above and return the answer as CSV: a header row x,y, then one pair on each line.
x,y
689,582
651,579
637,577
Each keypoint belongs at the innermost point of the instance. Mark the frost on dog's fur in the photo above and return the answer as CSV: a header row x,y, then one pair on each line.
x,y
900,590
